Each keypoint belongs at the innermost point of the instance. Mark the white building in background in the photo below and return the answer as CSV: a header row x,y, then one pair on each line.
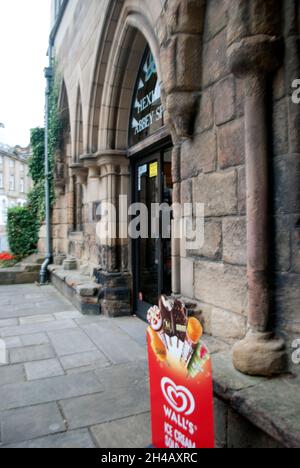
x,y
14,184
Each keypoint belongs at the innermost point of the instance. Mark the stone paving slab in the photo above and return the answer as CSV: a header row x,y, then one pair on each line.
x,y
36,339
71,314
115,343
132,432
30,310
12,374
37,328
80,439
8,323
13,342
102,369
134,327
43,369
36,319
27,423
105,407
124,376
48,390
91,319
30,353
76,361
71,342
125,392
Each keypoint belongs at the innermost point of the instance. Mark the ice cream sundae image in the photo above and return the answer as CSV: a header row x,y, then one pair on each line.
x,y
165,308
155,320
157,346
175,338
193,335
179,320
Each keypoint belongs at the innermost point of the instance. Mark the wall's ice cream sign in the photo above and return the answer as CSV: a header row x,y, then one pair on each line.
x,y
180,378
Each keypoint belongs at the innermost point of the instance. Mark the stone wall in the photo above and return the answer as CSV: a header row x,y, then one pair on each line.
x,y
212,172
285,177
98,55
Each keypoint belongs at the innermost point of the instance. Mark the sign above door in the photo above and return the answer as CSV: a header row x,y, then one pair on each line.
x,y
147,112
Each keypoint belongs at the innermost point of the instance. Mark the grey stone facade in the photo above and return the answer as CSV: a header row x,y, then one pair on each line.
x,y
214,58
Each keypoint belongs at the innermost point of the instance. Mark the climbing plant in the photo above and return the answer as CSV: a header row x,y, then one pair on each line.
x,y
36,197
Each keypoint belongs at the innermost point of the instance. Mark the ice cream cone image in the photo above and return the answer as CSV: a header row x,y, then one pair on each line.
x,y
165,309
155,320
193,336
179,321
198,360
157,346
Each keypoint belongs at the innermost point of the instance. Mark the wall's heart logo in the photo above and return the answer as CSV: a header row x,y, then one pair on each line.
x,y
178,397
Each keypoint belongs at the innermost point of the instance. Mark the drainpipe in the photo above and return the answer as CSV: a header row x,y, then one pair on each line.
x,y
48,258
49,77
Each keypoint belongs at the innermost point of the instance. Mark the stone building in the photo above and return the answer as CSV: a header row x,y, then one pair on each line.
x,y
185,101
14,184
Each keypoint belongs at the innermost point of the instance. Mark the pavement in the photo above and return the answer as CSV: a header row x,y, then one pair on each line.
x,y
70,381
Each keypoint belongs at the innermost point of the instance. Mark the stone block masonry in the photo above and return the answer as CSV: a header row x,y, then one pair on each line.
x,y
225,69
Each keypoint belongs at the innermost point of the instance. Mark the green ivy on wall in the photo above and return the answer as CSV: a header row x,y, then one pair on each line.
x,y
36,197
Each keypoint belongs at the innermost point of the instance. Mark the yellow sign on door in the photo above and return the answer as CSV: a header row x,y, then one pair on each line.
x,y
153,169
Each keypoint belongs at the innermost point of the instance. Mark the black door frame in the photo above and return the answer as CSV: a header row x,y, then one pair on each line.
x,y
145,156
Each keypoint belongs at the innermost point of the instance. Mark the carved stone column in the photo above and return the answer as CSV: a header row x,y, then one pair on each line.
x,y
254,51
115,280
80,173
59,174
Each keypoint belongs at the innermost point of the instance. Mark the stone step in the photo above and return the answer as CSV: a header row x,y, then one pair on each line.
x,y
78,288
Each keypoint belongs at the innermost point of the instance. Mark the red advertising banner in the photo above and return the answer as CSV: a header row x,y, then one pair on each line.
x,y
180,379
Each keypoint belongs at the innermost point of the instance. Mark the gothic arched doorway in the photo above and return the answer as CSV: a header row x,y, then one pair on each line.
x,y
150,152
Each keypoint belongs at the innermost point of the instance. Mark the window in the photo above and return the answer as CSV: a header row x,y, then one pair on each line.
x,y
1,161
147,113
12,164
22,186
12,183
1,180
22,168
4,211
77,206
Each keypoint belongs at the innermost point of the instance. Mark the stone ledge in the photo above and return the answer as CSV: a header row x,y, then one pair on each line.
x,y
27,274
271,406
78,288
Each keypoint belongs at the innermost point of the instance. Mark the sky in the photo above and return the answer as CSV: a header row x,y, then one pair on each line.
x,y
24,33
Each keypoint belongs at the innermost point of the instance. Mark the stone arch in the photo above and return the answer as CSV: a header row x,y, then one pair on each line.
x,y
63,154
99,72
64,113
174,34
116,67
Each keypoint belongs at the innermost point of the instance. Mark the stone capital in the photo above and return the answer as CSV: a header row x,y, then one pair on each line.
x,y
80,172
114,158
90,162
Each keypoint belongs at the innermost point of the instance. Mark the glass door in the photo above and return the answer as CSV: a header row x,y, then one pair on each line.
x,y
152,251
